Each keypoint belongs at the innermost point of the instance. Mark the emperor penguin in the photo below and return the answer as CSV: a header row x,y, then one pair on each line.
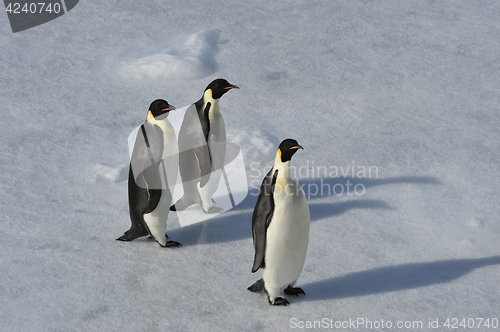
x,y
280,227
152,176
202,149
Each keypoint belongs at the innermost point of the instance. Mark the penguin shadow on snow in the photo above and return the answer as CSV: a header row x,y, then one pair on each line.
x,y
236,224
323,187
231,225
394,278
324,210
341,186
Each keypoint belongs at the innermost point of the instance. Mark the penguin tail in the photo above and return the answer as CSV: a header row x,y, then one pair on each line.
x,y
257,287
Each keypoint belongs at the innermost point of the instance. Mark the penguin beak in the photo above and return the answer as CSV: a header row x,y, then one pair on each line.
x,y
169,108
297,147
231,87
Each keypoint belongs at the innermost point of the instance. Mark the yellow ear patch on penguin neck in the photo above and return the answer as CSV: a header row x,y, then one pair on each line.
x,y
208,93
150,116
279,152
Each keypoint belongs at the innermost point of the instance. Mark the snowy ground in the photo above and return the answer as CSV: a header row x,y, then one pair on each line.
x,y
408,88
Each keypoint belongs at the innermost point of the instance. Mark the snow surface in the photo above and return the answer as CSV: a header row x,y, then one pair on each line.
x,y
188,58
408,88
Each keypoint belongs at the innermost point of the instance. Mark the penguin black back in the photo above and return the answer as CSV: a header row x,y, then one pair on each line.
x,y
198,156
264,208
218,88
280,227
145,189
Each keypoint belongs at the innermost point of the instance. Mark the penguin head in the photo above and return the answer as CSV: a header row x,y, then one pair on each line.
x,y
159,107
287,149
219,87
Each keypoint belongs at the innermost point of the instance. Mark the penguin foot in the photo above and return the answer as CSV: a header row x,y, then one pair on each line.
x,y
293,291
182,204
257,287
215,209
124,238
173,244
132,234
279,301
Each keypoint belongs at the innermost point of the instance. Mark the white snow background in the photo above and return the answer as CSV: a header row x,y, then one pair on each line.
x,y
409,87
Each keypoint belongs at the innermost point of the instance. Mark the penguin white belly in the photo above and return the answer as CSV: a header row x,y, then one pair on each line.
x,y
217,146
156,220
287,238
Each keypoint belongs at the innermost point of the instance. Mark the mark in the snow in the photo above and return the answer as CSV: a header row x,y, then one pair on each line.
x,y
190,57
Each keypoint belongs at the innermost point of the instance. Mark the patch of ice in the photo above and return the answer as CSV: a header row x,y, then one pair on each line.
x,y
106,173
468,242
190,57
257,145
476,222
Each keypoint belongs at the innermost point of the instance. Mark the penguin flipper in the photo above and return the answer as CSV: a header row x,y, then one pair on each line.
x,y
261,218
203,153
146,157
204,159
194,155
154,199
